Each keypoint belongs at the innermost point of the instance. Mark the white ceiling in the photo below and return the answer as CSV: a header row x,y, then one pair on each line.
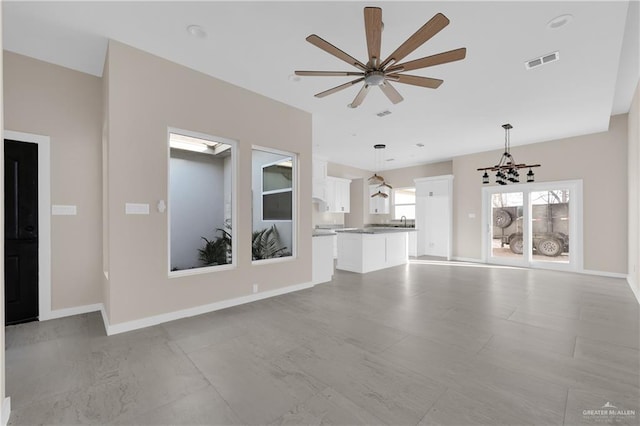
x,y
259,45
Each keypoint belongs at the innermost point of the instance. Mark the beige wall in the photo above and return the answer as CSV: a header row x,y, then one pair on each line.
x,y
598,159
146,95
634,191
65,105
402,178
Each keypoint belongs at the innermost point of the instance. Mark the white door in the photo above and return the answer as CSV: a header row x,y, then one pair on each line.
x,y
539,225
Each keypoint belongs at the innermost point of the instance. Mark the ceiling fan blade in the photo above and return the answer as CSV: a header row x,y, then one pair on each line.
x,y
327,73
331,49
429,61
360,96
391,92
338,88
373,30
428,30
431,83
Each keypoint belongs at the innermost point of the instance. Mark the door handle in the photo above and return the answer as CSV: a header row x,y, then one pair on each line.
x,y
29,228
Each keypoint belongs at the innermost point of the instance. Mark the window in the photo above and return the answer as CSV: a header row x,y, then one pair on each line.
x,y
404,200
274,204
277,190
200,197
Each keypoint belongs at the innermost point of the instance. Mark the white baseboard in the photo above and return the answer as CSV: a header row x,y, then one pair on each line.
x,y
67,312
466,259
634,288
123,327
105,319
6,411
603,274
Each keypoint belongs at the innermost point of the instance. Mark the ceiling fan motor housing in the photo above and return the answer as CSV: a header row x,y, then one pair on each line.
x,y
374,78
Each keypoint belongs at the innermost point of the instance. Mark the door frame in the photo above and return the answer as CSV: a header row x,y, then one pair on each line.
x,y
575,226
44,216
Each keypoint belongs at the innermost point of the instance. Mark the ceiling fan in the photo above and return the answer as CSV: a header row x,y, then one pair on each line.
x,y
381,73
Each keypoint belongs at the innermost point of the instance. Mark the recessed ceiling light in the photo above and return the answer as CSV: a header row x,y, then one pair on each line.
x,y
294,78
196,31
559,21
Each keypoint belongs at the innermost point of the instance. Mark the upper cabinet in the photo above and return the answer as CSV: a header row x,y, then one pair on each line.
x,y
338,195
379,205
319,184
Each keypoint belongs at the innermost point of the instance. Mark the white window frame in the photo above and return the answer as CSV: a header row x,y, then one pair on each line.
x,y
576,252
404,204
295,219
234,198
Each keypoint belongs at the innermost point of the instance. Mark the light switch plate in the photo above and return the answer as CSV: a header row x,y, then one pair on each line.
x,y
62,210
472,215
134,208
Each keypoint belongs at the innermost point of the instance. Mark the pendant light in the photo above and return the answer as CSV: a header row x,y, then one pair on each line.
x,y
377,178
507,168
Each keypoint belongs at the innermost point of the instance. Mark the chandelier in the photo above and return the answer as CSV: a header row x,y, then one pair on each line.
x,y
507,169
376,178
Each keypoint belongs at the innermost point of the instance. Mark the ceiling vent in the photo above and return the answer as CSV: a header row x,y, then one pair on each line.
x,y
383,113
542,60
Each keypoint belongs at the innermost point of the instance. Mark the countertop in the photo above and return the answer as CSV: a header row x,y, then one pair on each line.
x,y
322,233
377,230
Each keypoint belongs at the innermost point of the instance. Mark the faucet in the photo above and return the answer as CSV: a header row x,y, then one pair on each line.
x,y
405,220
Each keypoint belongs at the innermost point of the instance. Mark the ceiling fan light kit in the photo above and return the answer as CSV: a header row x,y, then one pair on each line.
x,y
507,168
381,73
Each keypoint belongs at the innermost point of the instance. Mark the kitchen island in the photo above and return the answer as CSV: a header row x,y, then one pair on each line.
x,y
370,249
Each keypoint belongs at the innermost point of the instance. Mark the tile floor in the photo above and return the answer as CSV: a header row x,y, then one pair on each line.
x,y
421,344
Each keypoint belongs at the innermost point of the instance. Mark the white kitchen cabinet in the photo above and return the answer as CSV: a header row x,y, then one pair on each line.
x,y
322,259
319,183
338,195
379,205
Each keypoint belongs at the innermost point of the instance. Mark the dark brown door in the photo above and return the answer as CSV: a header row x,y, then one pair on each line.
x,y
20,231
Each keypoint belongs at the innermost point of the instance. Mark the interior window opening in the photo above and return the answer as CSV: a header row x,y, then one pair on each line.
x,y
200,202
274,195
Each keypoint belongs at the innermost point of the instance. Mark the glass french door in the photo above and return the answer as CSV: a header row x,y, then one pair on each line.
x,y
538,225
506,241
